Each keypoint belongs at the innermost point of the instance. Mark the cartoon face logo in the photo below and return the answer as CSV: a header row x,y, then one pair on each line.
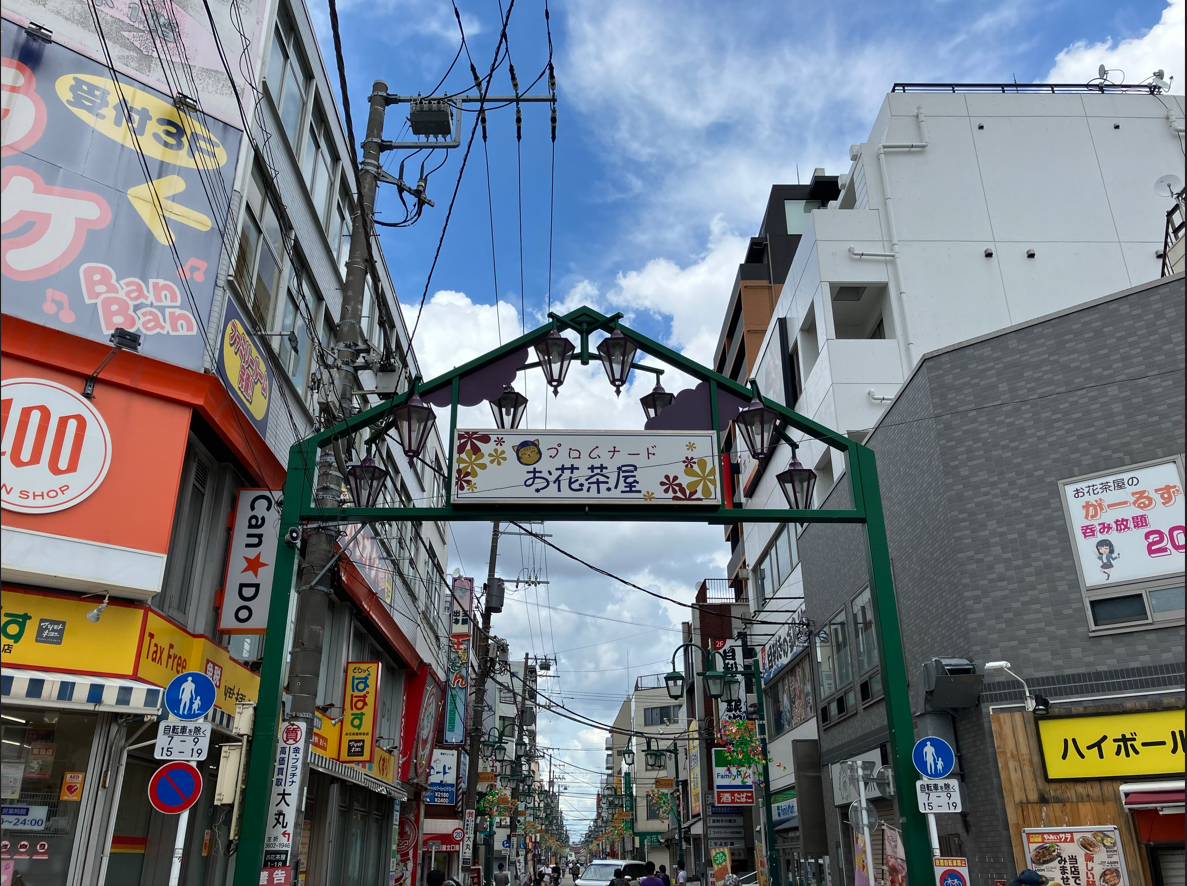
x,y
528,452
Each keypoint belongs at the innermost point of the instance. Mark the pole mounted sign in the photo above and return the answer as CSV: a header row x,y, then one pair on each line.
x,y
175,787
933,757
247,588
190,696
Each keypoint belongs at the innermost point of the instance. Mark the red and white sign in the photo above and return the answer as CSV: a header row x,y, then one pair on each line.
x,y
56,447
247,590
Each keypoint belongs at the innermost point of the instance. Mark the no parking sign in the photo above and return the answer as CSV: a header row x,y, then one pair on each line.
x,y
175,787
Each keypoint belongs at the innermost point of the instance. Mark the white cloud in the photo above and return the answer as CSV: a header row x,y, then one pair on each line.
x,y
1162,47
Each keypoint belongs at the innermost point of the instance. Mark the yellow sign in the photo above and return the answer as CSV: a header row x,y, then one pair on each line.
x,y
72,783
1113,745
720,859
326,736
155,210
486,778
141,122
665,784
246,369
694,769
53,633
357,744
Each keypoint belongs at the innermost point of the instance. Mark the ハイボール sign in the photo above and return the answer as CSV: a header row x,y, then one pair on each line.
x,y
1113,745
56,447
586,467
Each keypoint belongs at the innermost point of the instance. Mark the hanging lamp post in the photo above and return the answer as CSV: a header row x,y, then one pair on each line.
x,y
414,420
365,480
556,353
757,424
509,408
617,353
656,402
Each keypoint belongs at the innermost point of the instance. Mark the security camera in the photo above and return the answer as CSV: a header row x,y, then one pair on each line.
x,y
292,538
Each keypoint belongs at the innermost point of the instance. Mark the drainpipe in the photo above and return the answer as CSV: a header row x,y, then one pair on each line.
x,y
897,289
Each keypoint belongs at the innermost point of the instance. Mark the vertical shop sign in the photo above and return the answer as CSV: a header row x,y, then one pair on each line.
x,y
243,367
731,654
407,841
95,252
247,587
443,777
357,744
459,661
694,768
287,794
468,840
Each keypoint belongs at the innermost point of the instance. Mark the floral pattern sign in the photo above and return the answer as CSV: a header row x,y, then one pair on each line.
x,y
586,467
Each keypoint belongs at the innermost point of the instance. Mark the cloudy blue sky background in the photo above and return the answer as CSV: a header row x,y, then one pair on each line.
x,y
674,121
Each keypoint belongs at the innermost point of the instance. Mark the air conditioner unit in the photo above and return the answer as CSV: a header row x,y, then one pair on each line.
x,y
951,684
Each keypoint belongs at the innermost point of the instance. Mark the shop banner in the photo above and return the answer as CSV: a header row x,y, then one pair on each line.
x,y
1129,745
787,642
372,561
730,652
468,840
862,875
1127,525
731,787
896,856
407,845
98,253
287,784
1090,854
51,632
720,859
783,808
68,464
459,662
694,768
247,586
361,708
418,725
586,467
443,777
243,368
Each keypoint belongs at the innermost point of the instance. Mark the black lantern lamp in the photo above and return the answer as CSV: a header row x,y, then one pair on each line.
x,y
365,480
657,401
628,757
675,684
556,353
797,483
757,424
617,353
509,408
414,421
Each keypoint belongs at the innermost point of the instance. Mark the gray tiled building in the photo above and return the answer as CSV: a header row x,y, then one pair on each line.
x,y
971,454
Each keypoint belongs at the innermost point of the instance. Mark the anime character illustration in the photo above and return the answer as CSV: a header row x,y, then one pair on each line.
x,y
1106,553
528,452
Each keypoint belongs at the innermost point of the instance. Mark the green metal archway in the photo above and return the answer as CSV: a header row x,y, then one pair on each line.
x,y
298,510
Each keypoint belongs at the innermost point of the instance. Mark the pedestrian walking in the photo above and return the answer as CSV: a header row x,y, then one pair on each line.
x,y
663,875
501,877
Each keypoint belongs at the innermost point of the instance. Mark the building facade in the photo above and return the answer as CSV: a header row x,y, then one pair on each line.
x,y
1024,621
117,537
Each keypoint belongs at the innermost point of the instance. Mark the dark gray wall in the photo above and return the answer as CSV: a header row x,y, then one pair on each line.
x,y
969,456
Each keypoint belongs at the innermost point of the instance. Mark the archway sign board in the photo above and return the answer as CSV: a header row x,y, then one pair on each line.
x,y
662,474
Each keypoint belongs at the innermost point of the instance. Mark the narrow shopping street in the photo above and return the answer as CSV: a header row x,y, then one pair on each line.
x,y
592,444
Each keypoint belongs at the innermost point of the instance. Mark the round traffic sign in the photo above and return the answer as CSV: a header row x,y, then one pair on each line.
x,y
190,696
175,787
952,877
933,757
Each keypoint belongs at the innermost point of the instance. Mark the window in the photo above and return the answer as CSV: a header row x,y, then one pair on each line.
x,y
663,715
339,230
286,78
653,811
776,565
191,520
796,377
316,166
296,360
798,214
792,698
836,670
261,246
863,632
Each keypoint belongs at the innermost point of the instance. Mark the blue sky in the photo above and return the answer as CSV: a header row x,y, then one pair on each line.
x,y
674,121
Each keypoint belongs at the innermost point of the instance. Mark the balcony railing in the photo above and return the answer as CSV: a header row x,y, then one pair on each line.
x,y
719,590
649,681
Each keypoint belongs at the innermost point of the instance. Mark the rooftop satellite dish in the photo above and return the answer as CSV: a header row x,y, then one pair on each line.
x,y
1168,185
1102,72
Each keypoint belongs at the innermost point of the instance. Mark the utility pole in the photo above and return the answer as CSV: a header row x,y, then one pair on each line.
x,y
315,583
478,702
522,762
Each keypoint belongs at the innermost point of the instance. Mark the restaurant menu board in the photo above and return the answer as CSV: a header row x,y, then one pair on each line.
x,y
1077,856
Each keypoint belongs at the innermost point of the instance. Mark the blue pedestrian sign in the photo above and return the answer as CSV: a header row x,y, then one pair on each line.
x,y
189,696
506,844
933,757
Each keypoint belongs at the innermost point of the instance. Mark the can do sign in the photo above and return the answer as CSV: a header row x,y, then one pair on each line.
x,y
55,448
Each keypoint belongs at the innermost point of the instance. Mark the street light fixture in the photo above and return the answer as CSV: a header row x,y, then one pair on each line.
x,y
675,684
797,483
733,689
509,408
617,353
657,401
521,746
1038,704
365,480
556,353
414,419
628,757
757,424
